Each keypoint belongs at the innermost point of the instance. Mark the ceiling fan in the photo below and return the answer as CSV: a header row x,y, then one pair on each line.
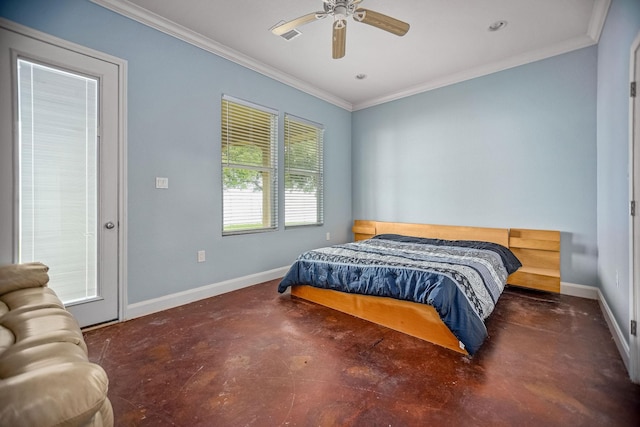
x,y
341,10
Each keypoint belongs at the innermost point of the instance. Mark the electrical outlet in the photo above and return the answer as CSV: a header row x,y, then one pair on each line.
x,y
328,236
201,256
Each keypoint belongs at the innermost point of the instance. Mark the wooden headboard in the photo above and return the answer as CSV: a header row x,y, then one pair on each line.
x,y
537,250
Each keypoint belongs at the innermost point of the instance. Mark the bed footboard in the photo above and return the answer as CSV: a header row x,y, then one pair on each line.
x,y
418,320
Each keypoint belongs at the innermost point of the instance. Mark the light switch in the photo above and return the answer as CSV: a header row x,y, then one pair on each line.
x,y
162,182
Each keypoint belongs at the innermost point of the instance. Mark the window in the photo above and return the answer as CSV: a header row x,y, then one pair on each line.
x,y
249,174
303,172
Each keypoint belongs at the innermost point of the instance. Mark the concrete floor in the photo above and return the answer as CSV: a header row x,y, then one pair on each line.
x,y
254,357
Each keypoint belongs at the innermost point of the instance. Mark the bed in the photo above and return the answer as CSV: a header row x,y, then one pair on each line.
x,y
447,311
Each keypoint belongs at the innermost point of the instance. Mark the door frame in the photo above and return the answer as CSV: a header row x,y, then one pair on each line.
x,y
634,221
121,64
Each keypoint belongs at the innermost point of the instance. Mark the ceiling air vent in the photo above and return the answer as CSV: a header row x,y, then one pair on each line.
x,y
290,35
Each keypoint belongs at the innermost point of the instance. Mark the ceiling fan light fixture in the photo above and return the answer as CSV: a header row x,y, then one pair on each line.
x,y
341,10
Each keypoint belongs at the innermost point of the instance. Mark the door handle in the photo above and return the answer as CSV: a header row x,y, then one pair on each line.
x,y
109,225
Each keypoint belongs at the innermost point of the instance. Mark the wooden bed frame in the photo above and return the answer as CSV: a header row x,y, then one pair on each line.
x,y
538,250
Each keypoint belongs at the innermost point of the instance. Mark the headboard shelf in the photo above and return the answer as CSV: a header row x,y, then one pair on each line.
x,y
539,253
538,250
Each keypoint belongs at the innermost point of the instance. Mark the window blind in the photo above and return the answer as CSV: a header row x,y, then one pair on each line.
x,y
303,145
57,188
249,167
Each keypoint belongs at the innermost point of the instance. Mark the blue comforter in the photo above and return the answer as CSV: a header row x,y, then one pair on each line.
x,y
462,280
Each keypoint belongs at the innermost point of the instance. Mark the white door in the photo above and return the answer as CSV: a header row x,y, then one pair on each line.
x,y
59,149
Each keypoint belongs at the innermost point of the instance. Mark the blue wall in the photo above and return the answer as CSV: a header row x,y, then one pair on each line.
x,y
614,50
512,149
174,92
518,148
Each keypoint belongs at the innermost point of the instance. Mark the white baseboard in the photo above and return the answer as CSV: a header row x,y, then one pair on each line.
x,y
582,291
618,337
166,302
591,292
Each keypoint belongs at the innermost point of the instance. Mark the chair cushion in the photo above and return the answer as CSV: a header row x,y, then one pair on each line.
x,y
30,299
40,356
65,394
42,326
20,276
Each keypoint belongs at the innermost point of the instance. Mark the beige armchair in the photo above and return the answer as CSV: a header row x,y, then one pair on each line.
x,y
46,378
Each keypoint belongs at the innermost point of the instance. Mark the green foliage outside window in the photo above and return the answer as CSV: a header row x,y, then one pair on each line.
x,y
243,179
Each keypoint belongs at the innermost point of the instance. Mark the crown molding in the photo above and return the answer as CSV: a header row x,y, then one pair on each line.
x,y
598,16
139,14
180,32
592,37
483,70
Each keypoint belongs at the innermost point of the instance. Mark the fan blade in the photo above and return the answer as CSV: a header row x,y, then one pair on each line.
x,y
381,21
339,38
288,26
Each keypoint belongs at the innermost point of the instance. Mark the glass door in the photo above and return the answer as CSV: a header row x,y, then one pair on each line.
x,y
63,154
57,184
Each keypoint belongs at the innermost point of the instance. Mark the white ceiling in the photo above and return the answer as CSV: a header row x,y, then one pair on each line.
x,y
448,41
